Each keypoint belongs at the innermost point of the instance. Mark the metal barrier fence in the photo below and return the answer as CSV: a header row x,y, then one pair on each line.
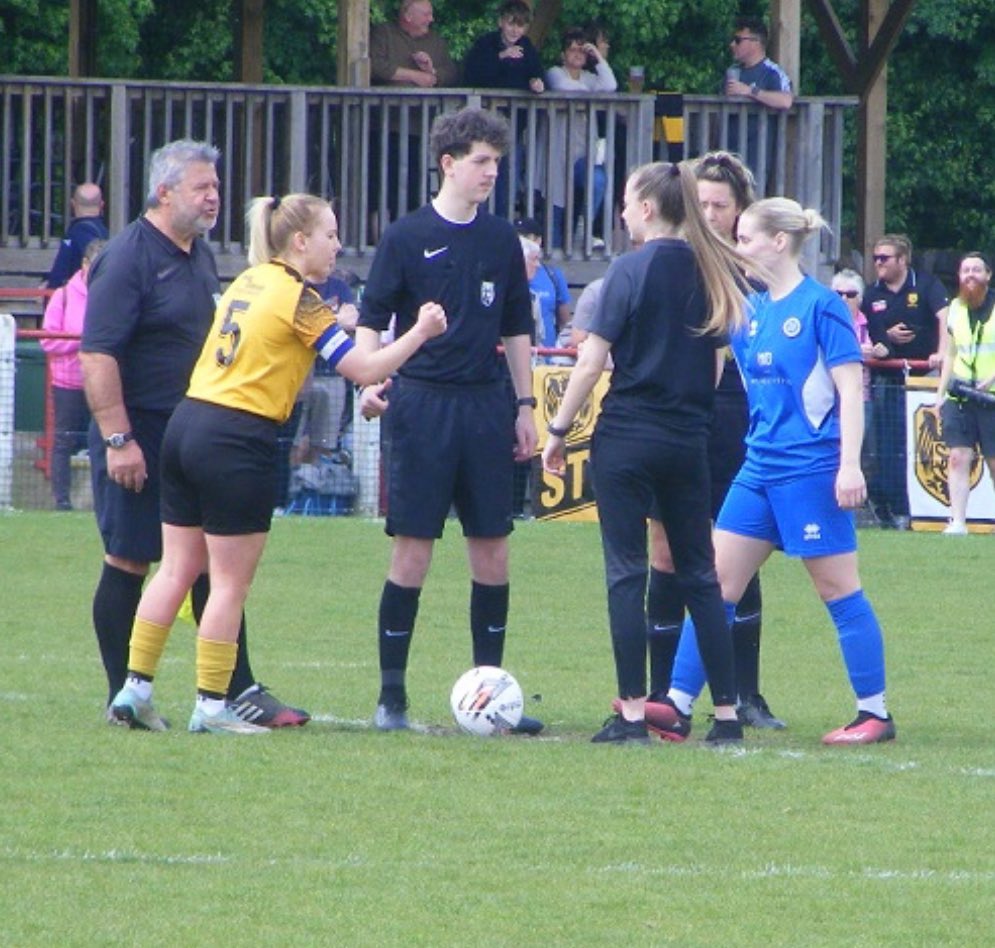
x,y
368,149
346,477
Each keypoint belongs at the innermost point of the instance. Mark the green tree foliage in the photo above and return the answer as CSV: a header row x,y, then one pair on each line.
x,y
941,89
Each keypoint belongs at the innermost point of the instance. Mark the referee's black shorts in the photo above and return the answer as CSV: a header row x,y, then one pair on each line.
x,y
128,521
451,446
219,469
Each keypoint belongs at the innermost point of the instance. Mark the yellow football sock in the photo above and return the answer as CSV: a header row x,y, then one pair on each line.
x,y
147,643
215,664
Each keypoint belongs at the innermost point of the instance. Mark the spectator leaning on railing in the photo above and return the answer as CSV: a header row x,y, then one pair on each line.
x,y
907,313
409,52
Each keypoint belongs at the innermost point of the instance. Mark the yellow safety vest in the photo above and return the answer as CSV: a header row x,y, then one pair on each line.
x,y
975,357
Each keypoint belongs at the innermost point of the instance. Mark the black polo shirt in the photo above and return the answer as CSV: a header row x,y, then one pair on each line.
x,y
150,305
916,304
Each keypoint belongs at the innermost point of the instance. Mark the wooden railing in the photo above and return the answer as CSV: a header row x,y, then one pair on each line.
x,y
365,148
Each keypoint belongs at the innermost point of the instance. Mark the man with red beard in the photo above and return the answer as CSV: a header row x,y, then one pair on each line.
x,y
906,312
968,375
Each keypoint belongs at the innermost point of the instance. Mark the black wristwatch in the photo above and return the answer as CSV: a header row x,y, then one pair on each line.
x,y
557,432
531,401
118,439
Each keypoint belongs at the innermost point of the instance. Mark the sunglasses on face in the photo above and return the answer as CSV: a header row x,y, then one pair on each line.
x,y
883,257
849,294
744,39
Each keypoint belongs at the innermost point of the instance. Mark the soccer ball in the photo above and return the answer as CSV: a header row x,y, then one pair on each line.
x,y
486,700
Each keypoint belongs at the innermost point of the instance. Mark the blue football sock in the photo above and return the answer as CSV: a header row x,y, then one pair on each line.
x,y
689,670
860,642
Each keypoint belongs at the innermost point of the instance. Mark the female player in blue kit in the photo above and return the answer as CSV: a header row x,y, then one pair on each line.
x,y
801,479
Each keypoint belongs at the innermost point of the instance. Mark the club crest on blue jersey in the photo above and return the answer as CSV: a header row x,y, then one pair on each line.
x,y
486,293
791,327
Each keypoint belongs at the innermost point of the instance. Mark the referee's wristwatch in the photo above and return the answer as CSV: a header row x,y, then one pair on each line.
x,y
118,439
530,401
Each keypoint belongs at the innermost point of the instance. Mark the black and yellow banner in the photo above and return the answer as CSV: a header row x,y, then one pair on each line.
x,y
569,497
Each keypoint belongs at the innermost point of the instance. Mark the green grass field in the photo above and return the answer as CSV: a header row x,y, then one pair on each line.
x,y
337,835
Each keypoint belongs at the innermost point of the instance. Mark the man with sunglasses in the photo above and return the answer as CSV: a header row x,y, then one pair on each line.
x,y
760,79
907,313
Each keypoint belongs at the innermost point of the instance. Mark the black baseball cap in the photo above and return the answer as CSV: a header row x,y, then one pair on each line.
x,y
528,225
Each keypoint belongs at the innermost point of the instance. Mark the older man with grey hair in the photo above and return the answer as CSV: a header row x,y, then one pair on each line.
x,y
152,295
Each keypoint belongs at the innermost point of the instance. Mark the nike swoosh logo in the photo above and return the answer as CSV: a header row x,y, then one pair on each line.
x,y
165,272
393,634
429,254
495,628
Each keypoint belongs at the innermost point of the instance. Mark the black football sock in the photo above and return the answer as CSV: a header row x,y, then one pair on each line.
x,y
664,619
398,611
488,620
115,603
242,677
746,640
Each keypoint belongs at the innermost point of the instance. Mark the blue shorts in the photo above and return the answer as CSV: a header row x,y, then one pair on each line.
x,y
450,446
800,517
129,522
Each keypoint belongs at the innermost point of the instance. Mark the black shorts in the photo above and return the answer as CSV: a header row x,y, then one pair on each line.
x,y
128,522
450,446
967,424
219,469
726,443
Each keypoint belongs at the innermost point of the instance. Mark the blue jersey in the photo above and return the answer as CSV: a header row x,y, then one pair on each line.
x,y
785,353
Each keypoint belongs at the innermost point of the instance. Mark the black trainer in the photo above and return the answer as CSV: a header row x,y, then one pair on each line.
x,y
392,710
725,732
755,712
619,731
527,725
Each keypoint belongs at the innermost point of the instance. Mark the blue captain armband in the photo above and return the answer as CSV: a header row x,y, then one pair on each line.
x,y
334,343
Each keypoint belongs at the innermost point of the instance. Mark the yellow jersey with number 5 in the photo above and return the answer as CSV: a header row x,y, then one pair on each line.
x,y
267,330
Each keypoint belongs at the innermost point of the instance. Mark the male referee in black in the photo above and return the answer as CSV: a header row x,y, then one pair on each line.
x,y
455,433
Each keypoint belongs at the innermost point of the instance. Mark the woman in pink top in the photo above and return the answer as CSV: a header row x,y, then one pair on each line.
x,y
64,314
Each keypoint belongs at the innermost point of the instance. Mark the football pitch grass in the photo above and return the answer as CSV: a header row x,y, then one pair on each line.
x,y
337,835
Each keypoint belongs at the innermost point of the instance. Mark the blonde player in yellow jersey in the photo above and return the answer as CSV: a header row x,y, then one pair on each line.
x,y
219,457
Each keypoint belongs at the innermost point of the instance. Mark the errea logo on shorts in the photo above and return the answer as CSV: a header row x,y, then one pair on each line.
x,y
811,531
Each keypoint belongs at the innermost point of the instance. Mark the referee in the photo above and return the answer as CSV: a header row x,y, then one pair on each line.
x,y
455,434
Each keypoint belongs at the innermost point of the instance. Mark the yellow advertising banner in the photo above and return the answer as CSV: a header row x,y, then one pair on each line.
x,y
570,497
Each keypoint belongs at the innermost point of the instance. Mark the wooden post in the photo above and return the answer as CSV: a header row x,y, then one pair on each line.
x,y
82,38
785,38
353,50
251,42
872,141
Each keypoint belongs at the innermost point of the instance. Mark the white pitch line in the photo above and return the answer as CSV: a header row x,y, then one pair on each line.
x,y
694,870
773,871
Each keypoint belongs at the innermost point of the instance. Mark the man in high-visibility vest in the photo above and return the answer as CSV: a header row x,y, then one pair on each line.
x,y
965,397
